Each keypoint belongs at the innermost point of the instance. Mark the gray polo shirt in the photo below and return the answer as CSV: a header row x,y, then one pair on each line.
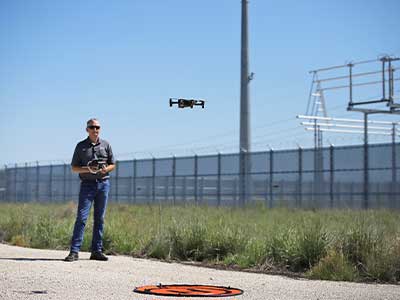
x,y
85,151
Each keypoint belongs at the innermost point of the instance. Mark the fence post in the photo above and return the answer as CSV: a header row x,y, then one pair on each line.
x,y
51,183
332,174
116,180
195,178
184,199
352,195
70,183
65,183
235,190
15,183
26,178
271,180
153,179
37,180
300,183
130,193
201,188
166,189
7,183
249,179
174,179
134,180
219,180
394,170
266,196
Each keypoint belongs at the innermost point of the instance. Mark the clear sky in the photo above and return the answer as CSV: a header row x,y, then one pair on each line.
x,y
63,62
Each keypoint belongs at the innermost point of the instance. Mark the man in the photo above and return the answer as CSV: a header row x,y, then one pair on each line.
x,y
94,189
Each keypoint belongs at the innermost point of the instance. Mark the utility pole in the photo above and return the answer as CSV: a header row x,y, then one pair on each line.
x,y
244,161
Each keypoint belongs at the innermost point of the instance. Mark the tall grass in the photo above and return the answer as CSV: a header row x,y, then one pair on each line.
x,y
328,244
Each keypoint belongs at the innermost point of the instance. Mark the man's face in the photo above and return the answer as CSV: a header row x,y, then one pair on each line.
x,y
93,130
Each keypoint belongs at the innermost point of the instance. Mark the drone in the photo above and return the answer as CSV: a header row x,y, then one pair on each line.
x,y
182,103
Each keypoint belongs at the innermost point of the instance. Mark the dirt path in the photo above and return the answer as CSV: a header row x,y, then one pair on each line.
x,y
41,274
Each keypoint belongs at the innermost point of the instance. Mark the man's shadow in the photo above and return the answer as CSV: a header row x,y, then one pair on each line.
x,y
30,259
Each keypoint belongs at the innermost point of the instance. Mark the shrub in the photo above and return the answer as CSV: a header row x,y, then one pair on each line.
x,y
334,266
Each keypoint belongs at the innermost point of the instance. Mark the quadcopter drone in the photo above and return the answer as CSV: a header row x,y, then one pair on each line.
x,y
182,103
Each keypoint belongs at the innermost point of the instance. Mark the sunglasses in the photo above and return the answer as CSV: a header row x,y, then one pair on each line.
x,y
94,127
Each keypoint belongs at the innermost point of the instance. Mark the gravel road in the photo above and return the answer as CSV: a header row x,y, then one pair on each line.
x,y
41,274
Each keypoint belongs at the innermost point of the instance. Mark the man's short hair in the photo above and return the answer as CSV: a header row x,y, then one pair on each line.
x,y
90,121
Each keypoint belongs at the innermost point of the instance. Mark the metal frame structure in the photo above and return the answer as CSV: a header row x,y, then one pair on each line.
x,y
386,128
394,108
387,83
324,123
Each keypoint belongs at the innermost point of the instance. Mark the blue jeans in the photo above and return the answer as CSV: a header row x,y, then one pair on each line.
x,y
91,192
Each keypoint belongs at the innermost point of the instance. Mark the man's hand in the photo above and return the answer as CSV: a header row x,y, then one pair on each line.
x,y
103,170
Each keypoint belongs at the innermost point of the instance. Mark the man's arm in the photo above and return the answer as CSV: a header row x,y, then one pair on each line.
x,y
107,169
77,169
110,161
76,163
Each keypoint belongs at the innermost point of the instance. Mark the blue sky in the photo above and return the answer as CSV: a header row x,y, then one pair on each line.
x,y
62,62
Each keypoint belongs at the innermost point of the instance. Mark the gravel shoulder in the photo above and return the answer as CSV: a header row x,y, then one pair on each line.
x,y
41,274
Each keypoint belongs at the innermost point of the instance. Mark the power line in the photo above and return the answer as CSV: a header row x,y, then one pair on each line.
x,y
226,134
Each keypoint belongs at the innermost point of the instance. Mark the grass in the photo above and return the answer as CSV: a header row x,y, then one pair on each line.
x,y
326,244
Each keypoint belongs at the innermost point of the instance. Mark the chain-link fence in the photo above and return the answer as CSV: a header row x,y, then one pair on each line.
x,y
333,177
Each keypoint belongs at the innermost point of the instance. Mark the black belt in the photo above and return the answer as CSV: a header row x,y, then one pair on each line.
x,y
94,180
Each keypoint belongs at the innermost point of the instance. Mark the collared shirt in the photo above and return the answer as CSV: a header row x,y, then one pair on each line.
x,y
86,151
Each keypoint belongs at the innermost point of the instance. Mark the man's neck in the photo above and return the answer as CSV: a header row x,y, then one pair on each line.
x,y
93,141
